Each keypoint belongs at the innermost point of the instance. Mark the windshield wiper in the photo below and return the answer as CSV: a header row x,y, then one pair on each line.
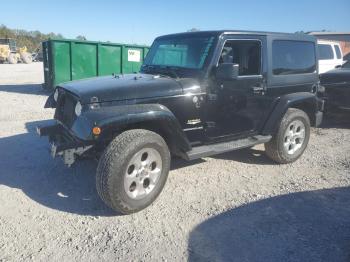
x,y
161,70
147,67
151,69
172,71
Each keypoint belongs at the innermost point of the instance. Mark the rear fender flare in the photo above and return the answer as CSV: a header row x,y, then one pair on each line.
x,y
303,100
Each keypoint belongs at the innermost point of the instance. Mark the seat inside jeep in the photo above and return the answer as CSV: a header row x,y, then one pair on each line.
x,y
246,53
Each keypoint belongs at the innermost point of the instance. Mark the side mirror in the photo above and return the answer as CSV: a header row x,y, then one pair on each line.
x,y
338,66
227,71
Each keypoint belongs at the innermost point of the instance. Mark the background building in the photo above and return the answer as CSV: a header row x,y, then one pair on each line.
x,y
342,37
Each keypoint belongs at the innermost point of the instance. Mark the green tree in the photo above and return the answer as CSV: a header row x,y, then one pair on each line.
x,y
30,39
81,37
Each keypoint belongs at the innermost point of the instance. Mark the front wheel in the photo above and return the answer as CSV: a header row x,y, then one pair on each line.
x,y
291,139
133,170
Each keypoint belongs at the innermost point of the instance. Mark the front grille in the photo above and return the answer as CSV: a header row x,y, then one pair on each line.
x,y
65,108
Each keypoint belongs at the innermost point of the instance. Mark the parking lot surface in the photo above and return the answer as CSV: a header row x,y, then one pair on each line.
x,y
238,206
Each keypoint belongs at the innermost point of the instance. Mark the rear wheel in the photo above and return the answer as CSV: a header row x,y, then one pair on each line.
x,y
291,139
133,170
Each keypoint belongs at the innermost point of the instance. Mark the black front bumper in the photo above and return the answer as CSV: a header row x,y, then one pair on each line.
x,y
60,137
63,143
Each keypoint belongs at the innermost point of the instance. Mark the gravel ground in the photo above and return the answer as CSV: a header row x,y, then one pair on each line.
x,y
238,206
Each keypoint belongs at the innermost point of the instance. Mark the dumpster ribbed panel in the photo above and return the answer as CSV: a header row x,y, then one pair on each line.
x,y
67,60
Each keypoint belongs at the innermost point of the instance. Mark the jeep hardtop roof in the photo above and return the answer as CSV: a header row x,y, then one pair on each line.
x,y
296,36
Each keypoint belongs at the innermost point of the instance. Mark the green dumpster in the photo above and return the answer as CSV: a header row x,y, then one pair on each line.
x,y
67,60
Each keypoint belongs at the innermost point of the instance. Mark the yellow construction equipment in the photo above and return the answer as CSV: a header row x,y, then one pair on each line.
x,y
10,54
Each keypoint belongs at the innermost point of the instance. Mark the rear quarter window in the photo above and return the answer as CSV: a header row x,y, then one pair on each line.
x,y
337,51
325,52
293,57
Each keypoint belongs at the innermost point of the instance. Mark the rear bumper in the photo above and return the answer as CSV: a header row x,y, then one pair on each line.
x,y
63,143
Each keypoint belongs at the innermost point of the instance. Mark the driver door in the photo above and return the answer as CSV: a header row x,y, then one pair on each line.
x,y
237,106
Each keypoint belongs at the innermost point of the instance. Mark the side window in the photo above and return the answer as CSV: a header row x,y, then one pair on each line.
x,y
293,57
246,53
325,52
337,51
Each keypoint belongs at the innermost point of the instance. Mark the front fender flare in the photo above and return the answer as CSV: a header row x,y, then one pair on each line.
x,y
118,118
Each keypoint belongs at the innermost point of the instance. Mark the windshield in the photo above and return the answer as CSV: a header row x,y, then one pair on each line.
x,y
347,64
186,51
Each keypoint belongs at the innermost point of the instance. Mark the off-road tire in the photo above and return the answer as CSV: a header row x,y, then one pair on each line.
x,y
113,164
26,58
274,148
12,59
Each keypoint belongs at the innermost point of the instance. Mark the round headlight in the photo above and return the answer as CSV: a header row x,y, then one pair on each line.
x,y
78,108
55,95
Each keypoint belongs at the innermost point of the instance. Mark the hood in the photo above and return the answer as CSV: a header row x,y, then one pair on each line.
x,y
123,87
340,75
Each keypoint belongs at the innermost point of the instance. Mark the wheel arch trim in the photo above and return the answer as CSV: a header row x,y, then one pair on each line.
x,y
304,101
116,119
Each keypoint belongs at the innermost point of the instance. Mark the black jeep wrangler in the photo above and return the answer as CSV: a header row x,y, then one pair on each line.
x,y
198,94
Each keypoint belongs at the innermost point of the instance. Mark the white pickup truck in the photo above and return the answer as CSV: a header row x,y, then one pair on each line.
x,y
329,55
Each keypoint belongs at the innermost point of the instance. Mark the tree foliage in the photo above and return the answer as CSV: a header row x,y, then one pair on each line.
x,y
31,39
81,38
